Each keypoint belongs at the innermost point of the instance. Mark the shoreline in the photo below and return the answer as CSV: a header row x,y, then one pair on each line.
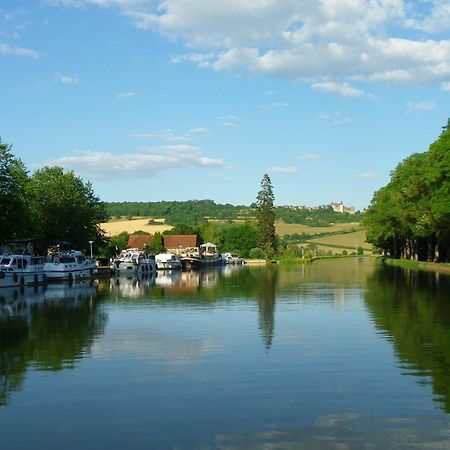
x,y
418,265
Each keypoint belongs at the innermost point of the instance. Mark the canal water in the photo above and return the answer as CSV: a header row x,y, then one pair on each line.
x,y
339,354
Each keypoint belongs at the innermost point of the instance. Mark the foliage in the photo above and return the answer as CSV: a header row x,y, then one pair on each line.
x,y
156,245
14,218
239,239
194,212
265,218
410,216
322,216
182,228
63,206
256,253
191,212
119,242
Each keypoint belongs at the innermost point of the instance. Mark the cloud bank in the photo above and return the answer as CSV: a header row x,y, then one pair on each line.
x,y
334,45
147,164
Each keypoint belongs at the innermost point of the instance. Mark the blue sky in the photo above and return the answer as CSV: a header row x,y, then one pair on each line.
x,y
190,99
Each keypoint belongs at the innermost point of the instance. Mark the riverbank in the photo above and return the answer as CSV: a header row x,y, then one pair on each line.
x,y
418,265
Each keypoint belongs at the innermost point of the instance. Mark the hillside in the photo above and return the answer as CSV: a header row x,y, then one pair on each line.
x,y
193,212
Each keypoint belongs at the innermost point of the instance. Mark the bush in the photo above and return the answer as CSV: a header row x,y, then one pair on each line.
x,y
256,253
292,252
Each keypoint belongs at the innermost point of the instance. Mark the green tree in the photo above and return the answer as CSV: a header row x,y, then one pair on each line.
x,y
239,239
265,218
14,220
410,216
157,244
119,242
439,179
65,207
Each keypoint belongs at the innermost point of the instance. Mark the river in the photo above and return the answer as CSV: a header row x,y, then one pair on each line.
x,y
338,354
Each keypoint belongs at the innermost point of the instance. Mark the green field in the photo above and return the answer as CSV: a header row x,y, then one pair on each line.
x,y
343,236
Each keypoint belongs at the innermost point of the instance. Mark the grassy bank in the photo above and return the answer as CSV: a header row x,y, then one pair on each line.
x,y
418,265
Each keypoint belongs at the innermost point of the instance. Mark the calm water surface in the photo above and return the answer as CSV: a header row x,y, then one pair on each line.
x,y
340,354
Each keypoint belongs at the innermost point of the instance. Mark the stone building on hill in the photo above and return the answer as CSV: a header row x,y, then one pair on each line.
x,y
341,208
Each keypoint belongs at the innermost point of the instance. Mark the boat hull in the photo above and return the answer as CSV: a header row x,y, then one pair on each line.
x,y
69,273
22,278
129,268
193,263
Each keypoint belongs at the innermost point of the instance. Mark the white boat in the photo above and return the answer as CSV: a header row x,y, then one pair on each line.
x,y
206,256
132,260
167,261
19,266
68,265
231,258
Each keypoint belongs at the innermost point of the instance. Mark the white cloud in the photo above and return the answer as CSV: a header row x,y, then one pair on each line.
x,y
367,175
336,118
145,164
166,135
327,44
342,89
65,79
285,169
420,106
280,106
125,95
309,156
228,121
199,130
6,49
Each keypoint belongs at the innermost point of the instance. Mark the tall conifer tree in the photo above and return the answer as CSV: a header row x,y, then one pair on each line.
x,y
265,217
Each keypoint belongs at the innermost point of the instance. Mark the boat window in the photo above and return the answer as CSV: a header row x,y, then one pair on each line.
x,y
5,261
22,263
66,259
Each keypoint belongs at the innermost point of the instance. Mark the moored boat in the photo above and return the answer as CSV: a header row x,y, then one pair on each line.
x,y
231,258
167,261
19,266
68,265
132,260
207,255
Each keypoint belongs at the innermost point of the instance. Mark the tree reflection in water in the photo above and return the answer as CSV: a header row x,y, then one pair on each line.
x,y
413,308
48,328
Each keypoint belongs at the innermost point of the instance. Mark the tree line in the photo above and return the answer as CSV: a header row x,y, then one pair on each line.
x,y
48,204
194,212
410,216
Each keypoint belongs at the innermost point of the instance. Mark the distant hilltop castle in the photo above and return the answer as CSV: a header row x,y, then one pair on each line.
x,y
341,208
337,207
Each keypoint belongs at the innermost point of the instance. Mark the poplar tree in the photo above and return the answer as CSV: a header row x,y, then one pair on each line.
x,y
265,218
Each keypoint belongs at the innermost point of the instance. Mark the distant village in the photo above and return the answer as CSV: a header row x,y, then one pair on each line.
x,y
338,207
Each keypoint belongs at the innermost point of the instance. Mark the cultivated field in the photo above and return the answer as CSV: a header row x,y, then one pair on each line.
x,y
348,240
336,243
291,228
115,227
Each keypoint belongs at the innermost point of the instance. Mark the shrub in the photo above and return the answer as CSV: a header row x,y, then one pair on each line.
x,y
256,253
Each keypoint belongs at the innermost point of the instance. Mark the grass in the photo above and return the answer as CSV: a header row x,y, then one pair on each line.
x,y
418,265
349,241
346,239
291,228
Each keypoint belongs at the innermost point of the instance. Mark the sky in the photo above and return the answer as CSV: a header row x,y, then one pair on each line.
x,y
153,100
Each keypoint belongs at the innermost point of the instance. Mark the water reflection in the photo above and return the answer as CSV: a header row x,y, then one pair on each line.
x,y
297,357
47,327
412,309
131,286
